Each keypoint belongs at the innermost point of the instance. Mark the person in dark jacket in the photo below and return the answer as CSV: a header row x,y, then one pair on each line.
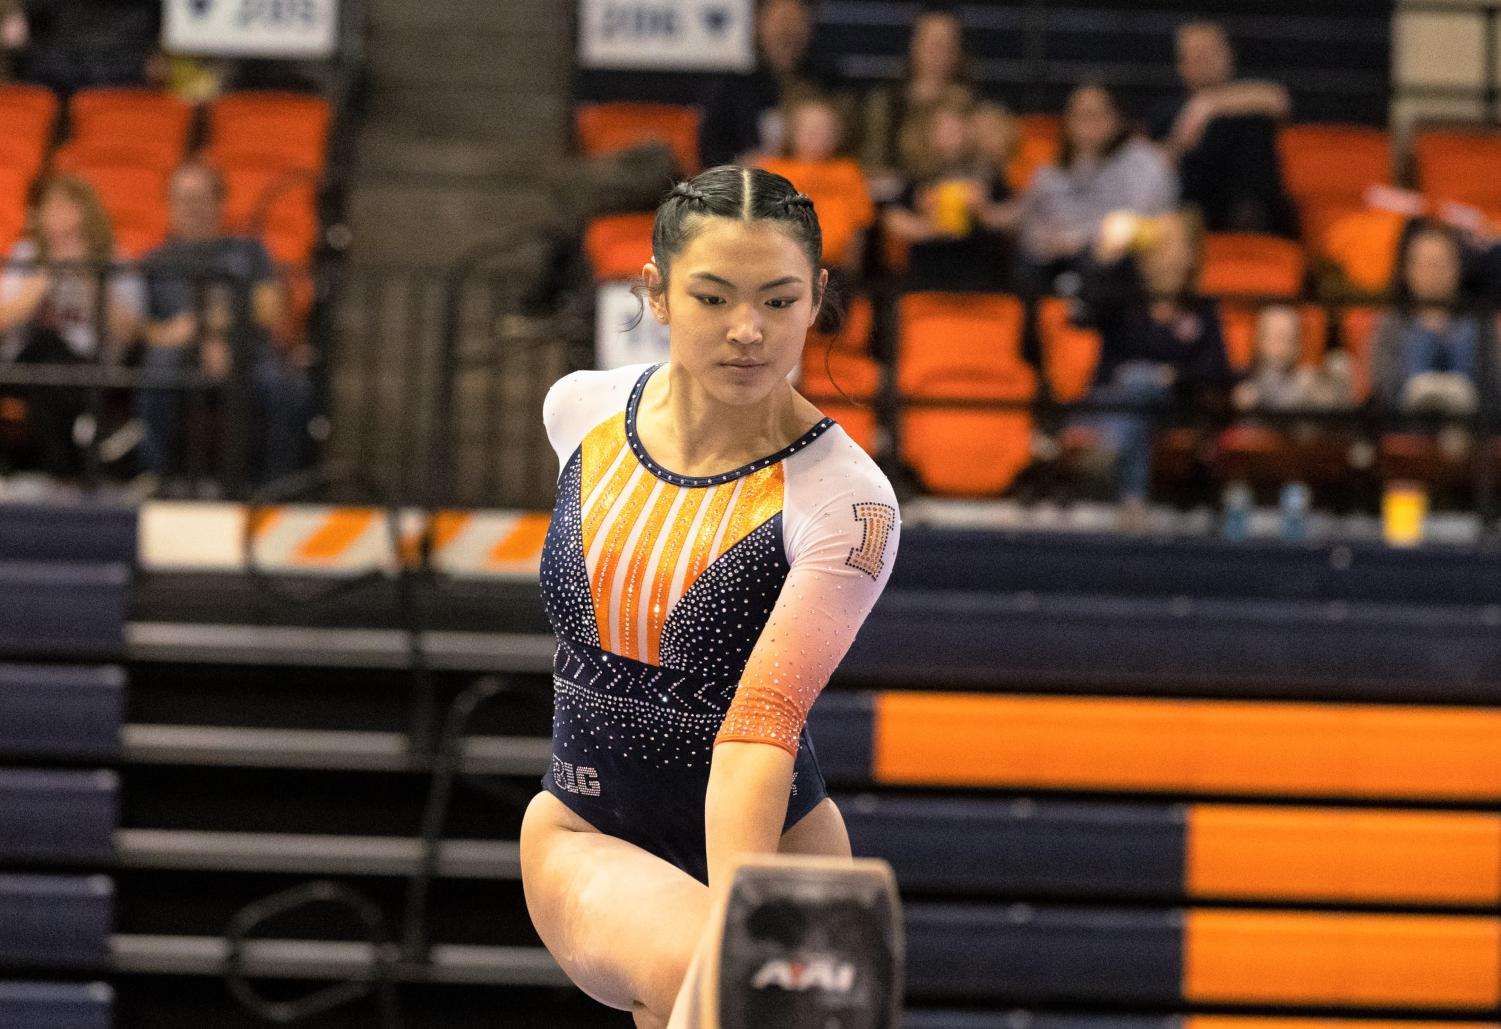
x,y
1162,345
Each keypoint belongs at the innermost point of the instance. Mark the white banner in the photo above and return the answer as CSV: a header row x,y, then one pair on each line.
x,y
667,35
251,28
616,342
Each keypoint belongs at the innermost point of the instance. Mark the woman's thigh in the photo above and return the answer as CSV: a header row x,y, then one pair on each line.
x,y
621,922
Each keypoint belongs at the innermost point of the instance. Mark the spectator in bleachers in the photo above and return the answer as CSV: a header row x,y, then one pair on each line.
x,y
1102,167
1162,345
1222,136
956,214
937,68
1431,354
195,282
14,34
836,184
1278,382
744,115
77,44
50,311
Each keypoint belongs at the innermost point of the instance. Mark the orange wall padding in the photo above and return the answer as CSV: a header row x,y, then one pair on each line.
x,y
1322,854
1222,747
1239,1022
1416,961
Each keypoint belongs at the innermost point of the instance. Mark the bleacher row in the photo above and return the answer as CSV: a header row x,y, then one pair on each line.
x,y
1137,860
969,347
269,147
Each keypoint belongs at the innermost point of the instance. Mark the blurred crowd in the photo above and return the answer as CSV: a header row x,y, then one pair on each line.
x,y
197,313
928,183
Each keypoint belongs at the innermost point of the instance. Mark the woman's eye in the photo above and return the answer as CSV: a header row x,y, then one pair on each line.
x,y
781,304
709,301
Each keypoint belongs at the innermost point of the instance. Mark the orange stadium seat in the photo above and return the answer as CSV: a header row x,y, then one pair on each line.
x,y
143,126
277,207
12,207
1069,353
1459,164
618,245
1251,264
964,347
1239,324
1363,245
606,128
840,194
1322,160
1327,168
28,115
282,130
1037,145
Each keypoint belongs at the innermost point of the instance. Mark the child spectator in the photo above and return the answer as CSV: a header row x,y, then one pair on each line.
x,y
937,69
1101,167
1222,136
50,311
956,214
1162,344
1278,382
744,114
1430,354
836,184
194,281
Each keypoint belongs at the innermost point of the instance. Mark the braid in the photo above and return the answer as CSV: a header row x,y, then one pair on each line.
x,y
688,191
792,200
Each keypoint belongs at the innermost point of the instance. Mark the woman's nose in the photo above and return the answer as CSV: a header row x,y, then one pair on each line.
x,y
745,327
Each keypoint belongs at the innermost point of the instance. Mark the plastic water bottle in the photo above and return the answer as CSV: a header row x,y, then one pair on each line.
x,y
1295,503
1236,510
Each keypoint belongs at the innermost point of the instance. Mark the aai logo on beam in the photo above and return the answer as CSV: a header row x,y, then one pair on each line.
x,y
666,35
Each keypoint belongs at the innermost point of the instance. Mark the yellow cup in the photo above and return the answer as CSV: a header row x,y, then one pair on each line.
x,y
951,206
1404,507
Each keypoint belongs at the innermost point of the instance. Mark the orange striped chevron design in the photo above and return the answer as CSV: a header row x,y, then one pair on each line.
x,y
646,541
317,539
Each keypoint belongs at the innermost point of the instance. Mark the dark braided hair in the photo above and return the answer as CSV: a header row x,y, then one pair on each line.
x,y
745,194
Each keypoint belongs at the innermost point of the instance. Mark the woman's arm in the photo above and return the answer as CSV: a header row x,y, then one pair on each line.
x,y
746,804
19,306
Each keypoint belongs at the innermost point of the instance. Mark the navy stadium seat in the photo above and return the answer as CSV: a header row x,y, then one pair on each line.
x,y
57,711
55,922
54,610
25,1005
57,817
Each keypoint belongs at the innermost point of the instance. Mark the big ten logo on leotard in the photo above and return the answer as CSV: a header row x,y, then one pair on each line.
x,y
582,780
876,520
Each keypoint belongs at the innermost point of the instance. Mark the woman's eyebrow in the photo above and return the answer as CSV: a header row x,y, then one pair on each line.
x,y
786,280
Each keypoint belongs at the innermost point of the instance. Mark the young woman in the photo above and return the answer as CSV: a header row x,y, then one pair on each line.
x,y
715,546
1102,167
50,310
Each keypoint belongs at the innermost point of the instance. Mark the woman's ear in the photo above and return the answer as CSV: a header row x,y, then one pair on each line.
x,y
656,291
818,295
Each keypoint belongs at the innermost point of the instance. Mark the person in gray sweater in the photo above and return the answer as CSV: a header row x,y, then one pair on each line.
x,y
1102,167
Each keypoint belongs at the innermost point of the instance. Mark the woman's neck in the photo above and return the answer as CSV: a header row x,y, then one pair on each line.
x,y
693,434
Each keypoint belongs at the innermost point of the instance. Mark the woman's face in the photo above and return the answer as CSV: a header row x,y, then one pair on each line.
x,y
949,136
936,47
1091,121
815,132
60,218
739,303
1167,265
1277,331
1432,268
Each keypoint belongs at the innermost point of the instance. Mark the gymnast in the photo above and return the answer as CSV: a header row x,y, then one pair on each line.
x,y
715,545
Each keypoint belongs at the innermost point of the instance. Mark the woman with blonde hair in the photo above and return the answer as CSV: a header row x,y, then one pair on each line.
x,y
51,311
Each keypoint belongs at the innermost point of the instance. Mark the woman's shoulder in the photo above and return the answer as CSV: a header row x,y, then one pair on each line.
x,y
581,400
839,467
